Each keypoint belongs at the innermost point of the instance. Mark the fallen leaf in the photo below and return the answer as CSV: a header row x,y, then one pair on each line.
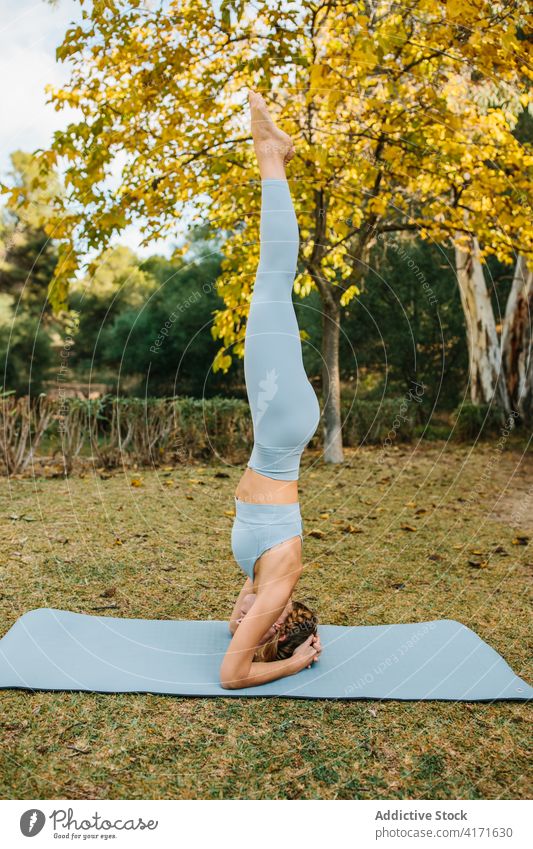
x,y
407,528
478,564
228,512
352,529
324,515
411,504
75,748
136,482
520,539
317,534
435,557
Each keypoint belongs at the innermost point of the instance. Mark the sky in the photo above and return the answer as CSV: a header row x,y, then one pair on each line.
x,y
30,31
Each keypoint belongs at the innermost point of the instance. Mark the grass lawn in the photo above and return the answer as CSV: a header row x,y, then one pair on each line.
x,y
160,548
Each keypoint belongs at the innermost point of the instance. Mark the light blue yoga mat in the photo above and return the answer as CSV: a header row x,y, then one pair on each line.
x,y
48,649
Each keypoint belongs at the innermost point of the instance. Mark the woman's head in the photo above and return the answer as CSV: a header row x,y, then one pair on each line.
x,y
296,627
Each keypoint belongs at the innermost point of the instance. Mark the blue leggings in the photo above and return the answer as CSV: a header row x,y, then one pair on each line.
x,y
284,407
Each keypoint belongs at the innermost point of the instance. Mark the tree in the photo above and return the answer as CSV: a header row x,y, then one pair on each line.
x,y
486,377
28,258
377,96
517,341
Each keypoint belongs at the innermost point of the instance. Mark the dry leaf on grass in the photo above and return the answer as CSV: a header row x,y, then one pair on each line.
x,y
352,529
520,539
317,534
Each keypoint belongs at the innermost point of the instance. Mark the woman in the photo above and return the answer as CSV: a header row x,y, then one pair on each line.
x,y
272,635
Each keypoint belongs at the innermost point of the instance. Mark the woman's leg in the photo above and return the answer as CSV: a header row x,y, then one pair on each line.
x,y
284,407
273,147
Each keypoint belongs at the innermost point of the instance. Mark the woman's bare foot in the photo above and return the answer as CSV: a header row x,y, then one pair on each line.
x,y
273,147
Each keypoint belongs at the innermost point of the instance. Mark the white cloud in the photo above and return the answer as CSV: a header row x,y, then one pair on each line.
x,y
30,32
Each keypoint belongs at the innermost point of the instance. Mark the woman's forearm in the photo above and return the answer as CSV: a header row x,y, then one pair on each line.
x,y
262,673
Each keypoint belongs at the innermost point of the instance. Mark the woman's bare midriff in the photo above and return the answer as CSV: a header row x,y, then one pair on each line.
x,y
262,490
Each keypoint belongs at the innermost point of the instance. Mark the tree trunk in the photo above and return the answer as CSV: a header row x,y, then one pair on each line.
x,y
517,337
484,353
331,387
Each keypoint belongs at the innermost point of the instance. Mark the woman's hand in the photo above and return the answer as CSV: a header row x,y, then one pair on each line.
x,y
307,652
317,645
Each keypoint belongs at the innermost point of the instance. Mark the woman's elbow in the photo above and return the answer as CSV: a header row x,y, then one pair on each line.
x,y
231,683
230,679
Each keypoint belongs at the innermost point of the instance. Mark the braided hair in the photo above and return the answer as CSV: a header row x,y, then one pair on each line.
x,y
297,627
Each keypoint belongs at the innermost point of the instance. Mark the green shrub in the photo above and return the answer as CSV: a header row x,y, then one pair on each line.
x,y
147,432
472,421
369,422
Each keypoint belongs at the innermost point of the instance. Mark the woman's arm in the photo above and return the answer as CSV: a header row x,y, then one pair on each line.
x,y
237,612
262,673
238,668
